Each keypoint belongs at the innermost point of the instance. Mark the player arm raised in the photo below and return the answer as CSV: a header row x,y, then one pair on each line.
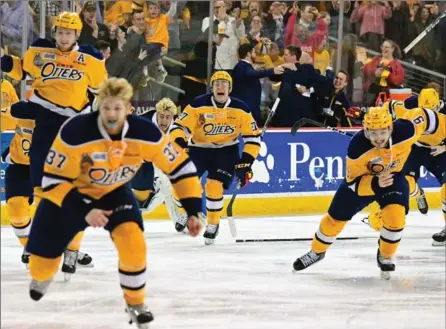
x,y
184,124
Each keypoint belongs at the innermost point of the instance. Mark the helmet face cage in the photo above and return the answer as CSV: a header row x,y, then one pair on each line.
x,y
221,75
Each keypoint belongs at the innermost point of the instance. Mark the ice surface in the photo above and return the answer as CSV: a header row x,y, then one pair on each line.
x,y
251,286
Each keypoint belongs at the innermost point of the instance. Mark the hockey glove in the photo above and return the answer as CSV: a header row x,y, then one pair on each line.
x,y
243,169
182,143
353,112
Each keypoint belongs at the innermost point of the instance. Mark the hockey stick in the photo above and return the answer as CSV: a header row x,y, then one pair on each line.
x,y
429,28
231,221
302,122
290,240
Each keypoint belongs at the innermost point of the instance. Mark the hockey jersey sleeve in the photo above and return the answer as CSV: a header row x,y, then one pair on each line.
x,y
176,164
358,176
12,66
425,121
97,74
184,124
251,137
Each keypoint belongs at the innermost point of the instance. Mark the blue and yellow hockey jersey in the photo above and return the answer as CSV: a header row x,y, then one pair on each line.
x,y
92,164
364,161
210,126
61,79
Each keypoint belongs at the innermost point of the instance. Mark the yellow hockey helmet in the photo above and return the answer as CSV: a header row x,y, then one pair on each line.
x,y
68,20
429,99
221,75
377,118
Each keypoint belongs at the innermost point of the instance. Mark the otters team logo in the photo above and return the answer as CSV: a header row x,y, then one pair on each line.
x,y
51,71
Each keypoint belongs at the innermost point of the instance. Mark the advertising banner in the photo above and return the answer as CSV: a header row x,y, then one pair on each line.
x,y
311,162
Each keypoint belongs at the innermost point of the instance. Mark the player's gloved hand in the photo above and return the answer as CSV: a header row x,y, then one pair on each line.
x,y
354,112
243,172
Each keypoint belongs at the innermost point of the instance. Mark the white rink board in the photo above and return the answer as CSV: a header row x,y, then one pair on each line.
x,y
249,286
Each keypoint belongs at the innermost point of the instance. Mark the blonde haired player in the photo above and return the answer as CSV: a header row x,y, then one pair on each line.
x,y
85,182
375,160
150,185
429,151
210,127
64,74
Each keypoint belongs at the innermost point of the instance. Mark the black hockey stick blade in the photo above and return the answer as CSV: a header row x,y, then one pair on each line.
x,y
290,240
297,125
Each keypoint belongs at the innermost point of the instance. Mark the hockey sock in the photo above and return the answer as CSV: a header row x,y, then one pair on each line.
x,y
414,190
18,214
142,196
129,241
75,244
394,219
214,201
443,199
43,269
329,228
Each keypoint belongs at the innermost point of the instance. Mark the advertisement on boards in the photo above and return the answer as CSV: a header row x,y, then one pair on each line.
x,y
312,161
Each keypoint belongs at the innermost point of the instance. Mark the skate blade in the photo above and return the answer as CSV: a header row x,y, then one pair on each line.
x,y
438,244
209,242
87,266
385,275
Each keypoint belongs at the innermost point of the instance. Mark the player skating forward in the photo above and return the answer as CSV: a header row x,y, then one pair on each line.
x,y
375,159
63,74
215,122
429,151
85,183
150,185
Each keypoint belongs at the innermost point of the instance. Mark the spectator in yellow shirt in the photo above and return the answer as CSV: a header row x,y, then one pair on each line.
x,y
117,12
322,58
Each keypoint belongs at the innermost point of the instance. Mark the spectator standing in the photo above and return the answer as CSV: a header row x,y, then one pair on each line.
x,y
293,105
275,24
424,52
92,31
398,24
117,11
383,72
52,9
246,79
371,17
12,16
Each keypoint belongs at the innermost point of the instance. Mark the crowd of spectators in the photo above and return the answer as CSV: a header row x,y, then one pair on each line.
x,y
284,38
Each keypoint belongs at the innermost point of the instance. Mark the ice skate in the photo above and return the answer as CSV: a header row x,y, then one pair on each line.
x,y
84,260
386,266
307,260
69,264
210,234
439,238
25,258
38,288
139,314
422,204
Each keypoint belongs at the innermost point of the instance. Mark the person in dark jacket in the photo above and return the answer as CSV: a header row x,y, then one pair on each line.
x,y
247,86
294,105
92,31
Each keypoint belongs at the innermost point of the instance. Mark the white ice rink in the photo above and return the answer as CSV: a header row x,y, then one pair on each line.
x,y
248,286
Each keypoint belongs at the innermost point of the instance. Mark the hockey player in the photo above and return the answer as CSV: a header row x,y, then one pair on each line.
x,y
375,160
64,73
215,122
85,183
429,151
150,185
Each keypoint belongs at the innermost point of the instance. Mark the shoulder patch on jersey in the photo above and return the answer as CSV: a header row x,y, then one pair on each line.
x,y
143,129
239,104
43,43
90,50
85,123
402,130
359,145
